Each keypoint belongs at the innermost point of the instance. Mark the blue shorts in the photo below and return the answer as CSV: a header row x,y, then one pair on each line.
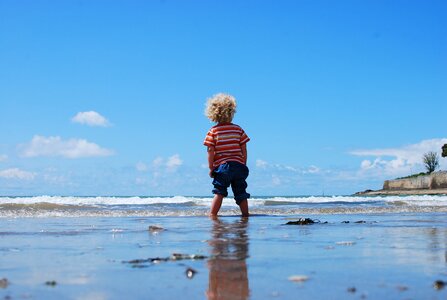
x,y
234,174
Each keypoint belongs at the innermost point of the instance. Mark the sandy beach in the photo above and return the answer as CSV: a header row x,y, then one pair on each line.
x,y
352,256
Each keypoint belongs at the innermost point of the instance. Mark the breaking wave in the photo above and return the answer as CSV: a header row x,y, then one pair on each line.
x,y
71,206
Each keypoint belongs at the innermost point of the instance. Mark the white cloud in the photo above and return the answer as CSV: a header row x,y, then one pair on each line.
x,y
262,164
366,164
90,118
55,146
141,166
15,173
173,162
312,170
3,157
158,162
394,161
276,181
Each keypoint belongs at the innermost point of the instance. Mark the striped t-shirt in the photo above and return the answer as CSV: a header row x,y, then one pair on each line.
x,y
227,139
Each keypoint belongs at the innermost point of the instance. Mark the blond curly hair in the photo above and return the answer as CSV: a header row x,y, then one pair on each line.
x,y
221,108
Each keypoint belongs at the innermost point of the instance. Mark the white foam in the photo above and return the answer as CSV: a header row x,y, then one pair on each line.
x,y
103,200
420,200
416,200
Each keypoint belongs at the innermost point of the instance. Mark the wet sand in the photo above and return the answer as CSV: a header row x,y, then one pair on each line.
x,y
353,256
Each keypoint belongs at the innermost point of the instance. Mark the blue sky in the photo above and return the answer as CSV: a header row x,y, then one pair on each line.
x,y
107,97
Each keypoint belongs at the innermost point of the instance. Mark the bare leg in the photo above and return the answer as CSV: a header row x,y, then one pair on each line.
x,y
216,204
244,208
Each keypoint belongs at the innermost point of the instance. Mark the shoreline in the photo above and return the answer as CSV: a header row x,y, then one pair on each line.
x,y
415,192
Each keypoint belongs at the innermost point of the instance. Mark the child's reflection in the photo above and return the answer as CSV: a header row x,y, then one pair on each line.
x,y
227,267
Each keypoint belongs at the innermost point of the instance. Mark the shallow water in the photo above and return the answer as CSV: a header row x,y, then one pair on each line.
x,y
386,256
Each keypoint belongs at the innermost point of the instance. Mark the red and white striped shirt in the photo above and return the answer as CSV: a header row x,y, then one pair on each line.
x,y
227,139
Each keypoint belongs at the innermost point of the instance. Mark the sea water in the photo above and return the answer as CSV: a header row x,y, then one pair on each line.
x,y
55,247
71,206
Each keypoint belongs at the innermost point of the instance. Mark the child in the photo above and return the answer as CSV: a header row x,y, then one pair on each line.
x,y
227,153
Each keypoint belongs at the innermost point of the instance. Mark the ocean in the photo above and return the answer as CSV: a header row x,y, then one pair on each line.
x,y
70,206
363,247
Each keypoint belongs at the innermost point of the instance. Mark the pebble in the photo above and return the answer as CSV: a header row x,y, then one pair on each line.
x,y
402,288
190,272
51,283
4,283
155,229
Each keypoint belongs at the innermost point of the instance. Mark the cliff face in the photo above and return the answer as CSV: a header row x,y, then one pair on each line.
x,y
436,180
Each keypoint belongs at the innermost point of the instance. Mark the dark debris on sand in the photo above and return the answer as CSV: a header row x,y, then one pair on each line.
x,y
356,222
439,284
144,263
309,221
139,263
303,221
52,283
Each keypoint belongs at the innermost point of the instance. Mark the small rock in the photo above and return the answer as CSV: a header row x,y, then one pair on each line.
x,y
364,192
352,290
360,222
439,284
190,272
402,288
51,283
298,278
4,283
345,222
155,229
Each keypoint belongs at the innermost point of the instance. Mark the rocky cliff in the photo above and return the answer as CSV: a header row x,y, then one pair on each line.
x,y
435,183
436,180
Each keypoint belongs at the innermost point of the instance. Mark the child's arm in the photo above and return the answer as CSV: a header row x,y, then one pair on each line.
x,y
244,152
211,160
